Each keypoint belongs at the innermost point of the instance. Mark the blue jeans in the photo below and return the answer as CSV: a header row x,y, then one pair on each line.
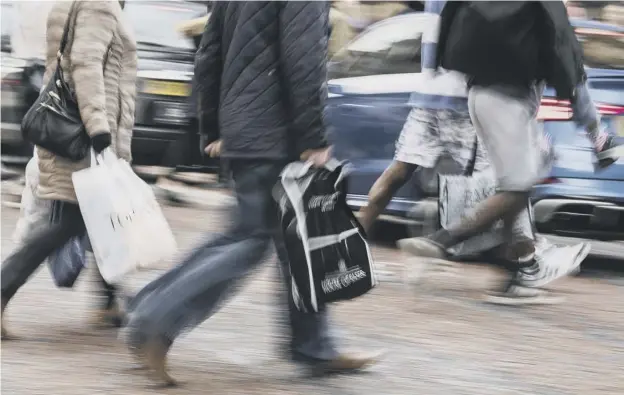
x,y
194,290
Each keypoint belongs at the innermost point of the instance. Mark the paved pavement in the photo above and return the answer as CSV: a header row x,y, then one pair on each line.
x,y
439,337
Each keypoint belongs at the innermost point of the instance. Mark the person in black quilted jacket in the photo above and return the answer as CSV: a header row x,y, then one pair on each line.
x,y
261,85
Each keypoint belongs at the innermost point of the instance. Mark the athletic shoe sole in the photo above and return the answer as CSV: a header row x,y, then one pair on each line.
x,y
608,157
585,250
611,153
541,299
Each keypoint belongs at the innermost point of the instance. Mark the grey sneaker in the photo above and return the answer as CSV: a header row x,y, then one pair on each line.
x,y
549,265
518,295
552,264
420,247
608,154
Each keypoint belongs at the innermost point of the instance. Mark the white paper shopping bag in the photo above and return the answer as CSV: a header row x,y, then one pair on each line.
x,y
161,244
125,225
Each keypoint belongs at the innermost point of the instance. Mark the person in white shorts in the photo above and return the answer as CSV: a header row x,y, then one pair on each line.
x,y
439,123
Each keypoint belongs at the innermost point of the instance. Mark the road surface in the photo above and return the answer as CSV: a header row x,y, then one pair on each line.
x,y
439,338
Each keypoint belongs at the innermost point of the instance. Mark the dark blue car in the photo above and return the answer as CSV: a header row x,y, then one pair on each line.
x,y
372,78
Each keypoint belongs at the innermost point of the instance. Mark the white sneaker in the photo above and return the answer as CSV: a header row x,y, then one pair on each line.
x,y
422,247
551,263
435,260
554,263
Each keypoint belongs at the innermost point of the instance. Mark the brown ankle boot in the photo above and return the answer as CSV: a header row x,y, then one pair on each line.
x,y
155,354
112,317
5,333
341,364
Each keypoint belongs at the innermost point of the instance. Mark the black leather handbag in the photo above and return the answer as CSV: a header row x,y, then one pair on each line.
x,y
53,122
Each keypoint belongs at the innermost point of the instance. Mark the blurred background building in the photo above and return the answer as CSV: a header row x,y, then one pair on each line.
x,y
604,11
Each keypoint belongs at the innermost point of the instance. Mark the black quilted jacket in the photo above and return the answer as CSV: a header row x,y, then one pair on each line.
x,y
541,46
261,78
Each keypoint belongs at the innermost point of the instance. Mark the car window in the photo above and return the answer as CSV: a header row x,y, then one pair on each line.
x,y
602,48
388,47
156,23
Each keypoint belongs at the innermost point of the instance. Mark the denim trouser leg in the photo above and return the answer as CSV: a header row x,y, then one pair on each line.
x,y
310,333
194,290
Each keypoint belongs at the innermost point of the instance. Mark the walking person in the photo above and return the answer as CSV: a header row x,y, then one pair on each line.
x,y
509,51
261,74
100,67
438,124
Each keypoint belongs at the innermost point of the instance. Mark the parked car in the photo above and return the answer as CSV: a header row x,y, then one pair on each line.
x,y
372,80
165,68
11,88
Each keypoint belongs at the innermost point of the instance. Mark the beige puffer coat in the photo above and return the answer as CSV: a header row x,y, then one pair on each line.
x,y
106,93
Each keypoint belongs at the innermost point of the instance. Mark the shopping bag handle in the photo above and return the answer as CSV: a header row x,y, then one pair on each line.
x,y
105,156
332,164
94,159
300,169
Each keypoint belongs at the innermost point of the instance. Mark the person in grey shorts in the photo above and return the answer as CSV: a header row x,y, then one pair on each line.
x,y
512,138
503,100
440,124
511,133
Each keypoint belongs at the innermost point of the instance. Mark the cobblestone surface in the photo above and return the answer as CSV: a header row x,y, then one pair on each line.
x,y
439,337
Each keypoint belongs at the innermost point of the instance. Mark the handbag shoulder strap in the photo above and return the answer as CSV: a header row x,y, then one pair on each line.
x,y
471,164
65,37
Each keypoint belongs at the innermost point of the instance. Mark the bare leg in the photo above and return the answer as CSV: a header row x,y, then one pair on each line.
x,y
505,205
392,179
510,136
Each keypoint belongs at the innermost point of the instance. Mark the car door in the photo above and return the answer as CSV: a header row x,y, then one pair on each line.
x,y
371,81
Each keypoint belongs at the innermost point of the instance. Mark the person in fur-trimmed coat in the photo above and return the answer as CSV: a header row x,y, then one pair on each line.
x,y
99,64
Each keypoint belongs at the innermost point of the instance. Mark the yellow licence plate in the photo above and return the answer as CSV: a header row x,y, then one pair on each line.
x,y
166,88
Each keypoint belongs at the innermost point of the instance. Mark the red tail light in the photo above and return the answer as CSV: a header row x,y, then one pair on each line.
x,y
550,180
560,110
607,109
10,82
554,110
